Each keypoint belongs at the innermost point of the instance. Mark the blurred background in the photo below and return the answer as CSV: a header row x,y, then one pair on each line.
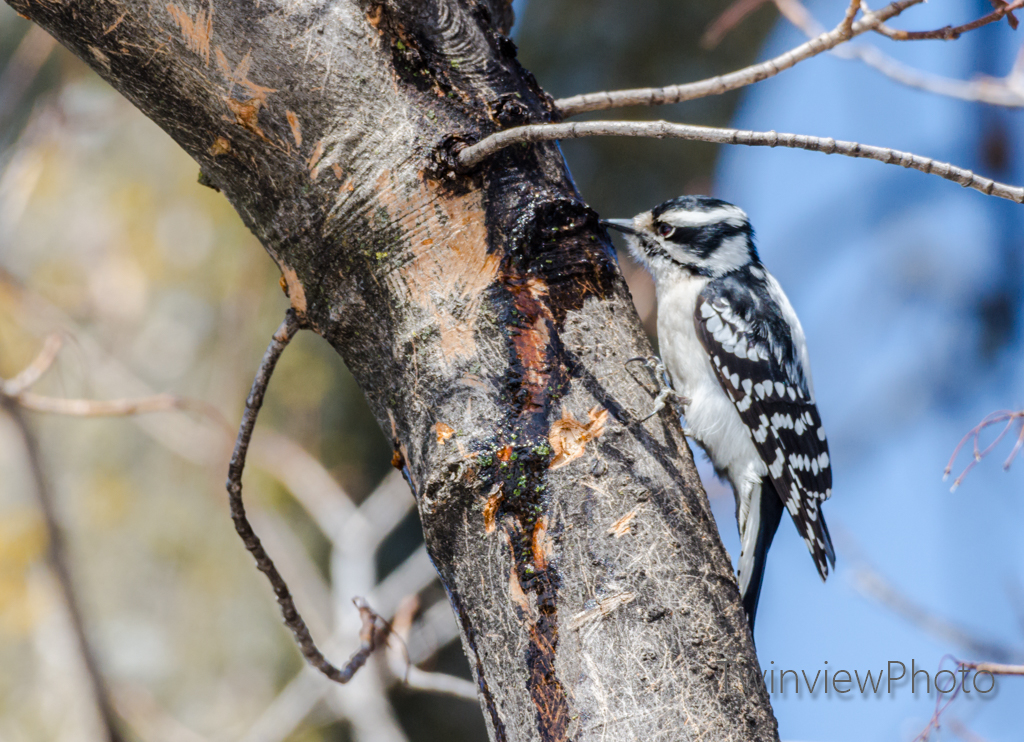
x,y
910,289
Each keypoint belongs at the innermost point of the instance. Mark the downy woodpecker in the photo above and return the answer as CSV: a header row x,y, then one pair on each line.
x,y
735,352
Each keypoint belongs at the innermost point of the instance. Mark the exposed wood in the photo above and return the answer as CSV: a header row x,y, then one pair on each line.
x,y
479,312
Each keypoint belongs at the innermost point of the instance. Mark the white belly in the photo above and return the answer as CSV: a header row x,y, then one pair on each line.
x,y
711,416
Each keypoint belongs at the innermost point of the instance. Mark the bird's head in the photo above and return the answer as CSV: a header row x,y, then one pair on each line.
x,y
697,234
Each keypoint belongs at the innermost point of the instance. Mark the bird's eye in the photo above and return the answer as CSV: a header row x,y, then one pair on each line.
x,y
666,230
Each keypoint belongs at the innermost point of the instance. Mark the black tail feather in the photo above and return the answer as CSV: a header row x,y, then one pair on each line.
x,y
771,514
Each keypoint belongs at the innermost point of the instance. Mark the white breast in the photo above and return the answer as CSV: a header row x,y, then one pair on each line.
x,y
711,417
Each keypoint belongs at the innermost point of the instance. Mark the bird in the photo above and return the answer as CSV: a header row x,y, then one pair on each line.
x,y
735,354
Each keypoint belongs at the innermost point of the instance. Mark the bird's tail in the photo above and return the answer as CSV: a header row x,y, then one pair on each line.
x,y
762,522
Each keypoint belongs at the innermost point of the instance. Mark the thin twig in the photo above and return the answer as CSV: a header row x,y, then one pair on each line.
x,y
292,619
994,668
17,389
792,10
34,370
59,563
949,33
1009,420
943,701
313,487
476,153
1007,91
738,79
114,407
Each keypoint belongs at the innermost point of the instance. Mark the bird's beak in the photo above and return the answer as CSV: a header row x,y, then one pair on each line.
x,y
622,225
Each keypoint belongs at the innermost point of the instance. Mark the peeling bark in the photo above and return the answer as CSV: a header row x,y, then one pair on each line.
x,y
485,318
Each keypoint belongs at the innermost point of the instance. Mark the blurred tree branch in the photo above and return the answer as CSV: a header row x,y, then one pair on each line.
x,y
58,559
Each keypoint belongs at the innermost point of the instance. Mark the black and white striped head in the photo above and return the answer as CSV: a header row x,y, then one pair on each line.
x,y
697,234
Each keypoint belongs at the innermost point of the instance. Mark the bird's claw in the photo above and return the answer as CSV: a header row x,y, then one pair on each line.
x,y
665,390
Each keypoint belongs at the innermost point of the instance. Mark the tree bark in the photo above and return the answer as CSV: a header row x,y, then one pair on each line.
x,y
484,316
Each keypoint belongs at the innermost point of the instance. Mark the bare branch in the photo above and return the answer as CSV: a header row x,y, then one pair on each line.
x,y
476,153
114,407
995,668
942,702
303,576
1008,91
293,620
59,563
1009,420
34,371
851,13
945,699
949,33
741,78
332,508
1016,77
17,388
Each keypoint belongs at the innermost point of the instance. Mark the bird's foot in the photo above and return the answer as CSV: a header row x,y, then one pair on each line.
x,y
665,390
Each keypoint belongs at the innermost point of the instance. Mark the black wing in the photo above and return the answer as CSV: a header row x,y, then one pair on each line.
x,y
748,335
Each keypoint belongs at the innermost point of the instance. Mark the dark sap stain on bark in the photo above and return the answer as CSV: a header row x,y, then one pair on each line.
x,y
462,72
535,379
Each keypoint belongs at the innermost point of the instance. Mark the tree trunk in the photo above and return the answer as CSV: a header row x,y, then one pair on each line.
x,y
484,316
